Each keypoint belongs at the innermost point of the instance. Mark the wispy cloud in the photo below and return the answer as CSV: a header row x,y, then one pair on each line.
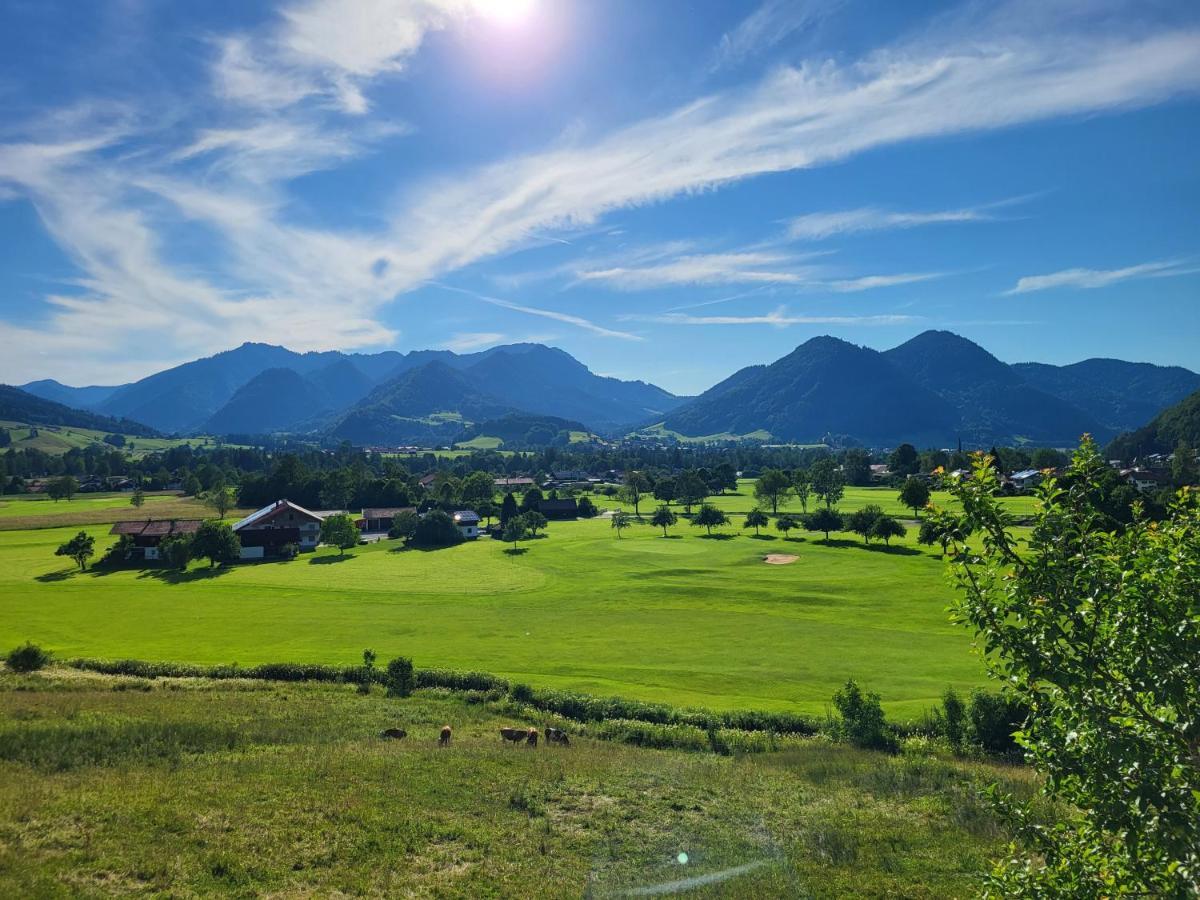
x,y
779,318
1088,279
566,318
768,26
820,225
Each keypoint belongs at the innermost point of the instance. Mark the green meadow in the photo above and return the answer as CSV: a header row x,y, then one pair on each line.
x,y
187,787
56,439
687,620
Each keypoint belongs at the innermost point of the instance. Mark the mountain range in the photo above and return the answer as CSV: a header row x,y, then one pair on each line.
x,y
934,389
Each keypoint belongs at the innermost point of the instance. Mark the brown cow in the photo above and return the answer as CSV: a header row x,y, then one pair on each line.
x,y
516,735
444,737
394,734
557,736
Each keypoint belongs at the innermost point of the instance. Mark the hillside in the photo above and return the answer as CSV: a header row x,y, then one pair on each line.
x,y
76,397
824,387
519,430
429,403
994,404
205,788
17,405
1180,422
1120,395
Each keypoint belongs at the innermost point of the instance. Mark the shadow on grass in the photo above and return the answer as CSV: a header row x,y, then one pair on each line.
x,y
327,560
516,551
763,537
60,575
671,537
718,537
174,576
844,543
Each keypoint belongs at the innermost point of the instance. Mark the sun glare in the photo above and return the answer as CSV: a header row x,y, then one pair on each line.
x,y
505,12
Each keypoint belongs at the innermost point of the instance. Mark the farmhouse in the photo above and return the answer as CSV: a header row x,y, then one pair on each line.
x,y
265,532
382,518
1144,480
148,534
467,522
558,509
1026,479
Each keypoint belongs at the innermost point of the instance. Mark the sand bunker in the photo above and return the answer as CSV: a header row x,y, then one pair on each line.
x,y
779,559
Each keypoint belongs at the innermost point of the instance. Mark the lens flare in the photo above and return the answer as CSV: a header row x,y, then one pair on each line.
x,y
505,12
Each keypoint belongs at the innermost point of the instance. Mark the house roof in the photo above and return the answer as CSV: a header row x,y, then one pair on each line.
x,y
262,516
557,505
466,517
1026,473
386,512
510,482
156,527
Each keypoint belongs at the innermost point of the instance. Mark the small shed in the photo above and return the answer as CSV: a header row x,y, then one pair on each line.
x,y
467,522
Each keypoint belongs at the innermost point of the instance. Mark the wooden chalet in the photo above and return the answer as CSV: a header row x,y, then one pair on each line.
x,y
148,534
265,532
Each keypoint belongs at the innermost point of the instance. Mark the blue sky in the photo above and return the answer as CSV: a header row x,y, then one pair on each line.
x,y
667,190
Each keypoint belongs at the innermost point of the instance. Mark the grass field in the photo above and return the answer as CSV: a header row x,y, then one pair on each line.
x,y
187,787
61,438
685,620
25,511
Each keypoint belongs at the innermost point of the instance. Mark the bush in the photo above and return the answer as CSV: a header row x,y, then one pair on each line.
x,y
950,720
586,508
862,722
27,658
992,719
399,679
289,551
403,525
436,529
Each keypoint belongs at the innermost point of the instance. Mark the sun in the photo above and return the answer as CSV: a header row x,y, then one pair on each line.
x,y
505,12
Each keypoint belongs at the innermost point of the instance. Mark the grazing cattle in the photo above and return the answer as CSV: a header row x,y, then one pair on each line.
x,y
394,734
531,740
444,737
516,735
557,736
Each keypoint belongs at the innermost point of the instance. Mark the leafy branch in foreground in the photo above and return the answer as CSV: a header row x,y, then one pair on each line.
x,y
1097,631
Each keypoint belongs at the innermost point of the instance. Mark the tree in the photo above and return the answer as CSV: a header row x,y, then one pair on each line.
x,y
862,721
488,510
786,523
532,498
80,548
690,489
138,498
825,520
176,551
437,529
636,484
367,674
1047,458
620,521
827,482
914,494
663,518
340,531
802,486
710,517
216,542
724,478
888,527
62,488
219,498
772,488
476,489
191,486
905,460
513,531
508,509
587,509
1184,468
535,521
1094,630
756,519
863,521
664,489
404,525
856,467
